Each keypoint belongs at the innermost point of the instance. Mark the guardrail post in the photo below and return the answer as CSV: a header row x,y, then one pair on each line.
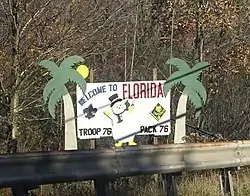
x,y
19,191
169,184
101,187
226,182
23,190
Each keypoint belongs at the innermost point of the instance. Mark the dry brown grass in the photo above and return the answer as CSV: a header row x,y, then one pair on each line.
x,y
205,184
242,183
189,184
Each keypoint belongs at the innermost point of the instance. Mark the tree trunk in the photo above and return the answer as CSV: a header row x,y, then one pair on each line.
x,y
180,123
70,142
14,115
14,55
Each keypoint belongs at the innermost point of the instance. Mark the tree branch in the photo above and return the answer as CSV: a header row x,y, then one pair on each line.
x,y
134,42
37,14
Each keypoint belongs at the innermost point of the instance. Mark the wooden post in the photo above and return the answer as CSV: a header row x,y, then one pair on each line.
x,y
168,180
91,80
155,140
101,186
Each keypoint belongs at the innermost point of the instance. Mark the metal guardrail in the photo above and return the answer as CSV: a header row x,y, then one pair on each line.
x,y
67,166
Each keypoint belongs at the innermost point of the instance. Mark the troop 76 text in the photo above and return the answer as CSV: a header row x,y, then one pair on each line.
x,y
95,131
106,132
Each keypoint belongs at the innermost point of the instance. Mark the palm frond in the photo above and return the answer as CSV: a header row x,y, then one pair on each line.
x,y
179,64
50,65
198,68
198,87
69,62
49,88
75,77
55,97
174,79
195,100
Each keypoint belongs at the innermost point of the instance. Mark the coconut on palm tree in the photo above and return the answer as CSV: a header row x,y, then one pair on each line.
x,y
56,89
193,90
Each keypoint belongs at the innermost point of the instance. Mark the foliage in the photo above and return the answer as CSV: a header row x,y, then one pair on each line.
x,y
55,88
189,78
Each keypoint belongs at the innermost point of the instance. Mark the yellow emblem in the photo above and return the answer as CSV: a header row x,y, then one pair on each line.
x,y
158,112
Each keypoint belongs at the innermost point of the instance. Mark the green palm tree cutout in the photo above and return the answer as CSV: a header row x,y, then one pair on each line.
x,y
55,88
194,91
189,78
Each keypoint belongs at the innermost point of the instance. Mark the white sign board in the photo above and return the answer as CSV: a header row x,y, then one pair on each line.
x,y
122,109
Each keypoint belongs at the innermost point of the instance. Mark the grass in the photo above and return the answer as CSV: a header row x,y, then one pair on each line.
x,y
205,184
242,183
189,184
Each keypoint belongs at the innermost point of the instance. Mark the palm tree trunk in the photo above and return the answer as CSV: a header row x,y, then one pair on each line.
x,y
180,123
70,125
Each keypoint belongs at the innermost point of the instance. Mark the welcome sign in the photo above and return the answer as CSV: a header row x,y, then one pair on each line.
x,y
123,109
